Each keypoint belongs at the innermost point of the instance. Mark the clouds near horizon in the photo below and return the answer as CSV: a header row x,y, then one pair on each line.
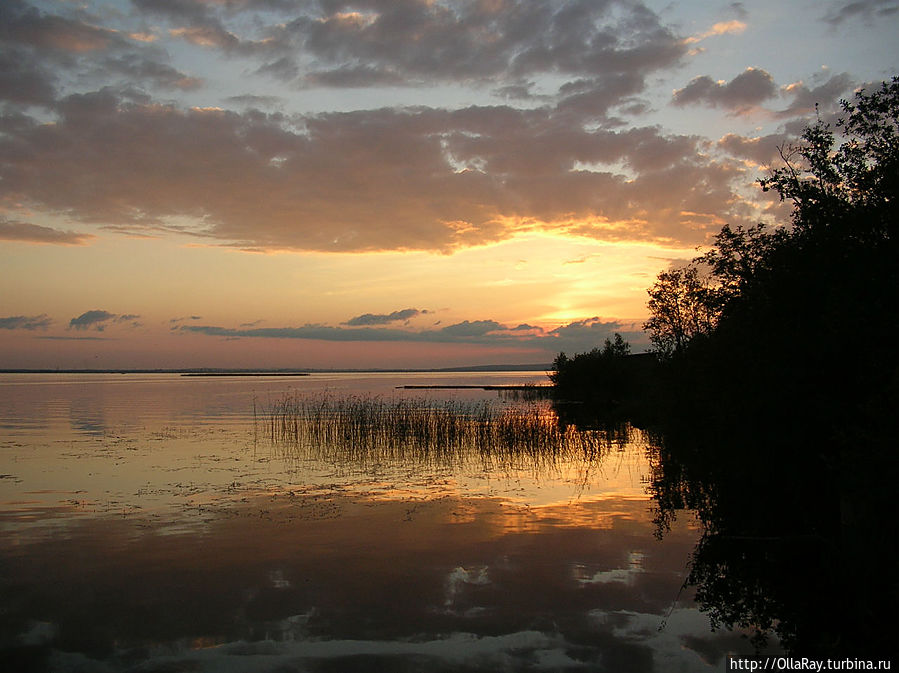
x,y
459,154
26,322
577,335
99,320
13,230
384,318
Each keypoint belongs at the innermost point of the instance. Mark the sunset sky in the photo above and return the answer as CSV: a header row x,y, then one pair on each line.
x,y
387,183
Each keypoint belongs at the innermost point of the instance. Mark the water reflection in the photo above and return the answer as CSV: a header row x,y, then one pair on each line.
x,y
791,543
166,545
315,578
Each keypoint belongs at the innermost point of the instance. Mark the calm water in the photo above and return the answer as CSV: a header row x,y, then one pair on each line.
x,y
148,523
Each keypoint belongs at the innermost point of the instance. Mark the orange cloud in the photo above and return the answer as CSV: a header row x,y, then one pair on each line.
x,y
721,28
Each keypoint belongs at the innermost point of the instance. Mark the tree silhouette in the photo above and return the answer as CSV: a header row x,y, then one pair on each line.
x,y
683,306
778,409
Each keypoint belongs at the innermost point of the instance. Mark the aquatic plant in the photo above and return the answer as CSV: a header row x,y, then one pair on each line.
x,y
365,430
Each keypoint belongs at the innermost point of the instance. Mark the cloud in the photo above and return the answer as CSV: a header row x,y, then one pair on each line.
x,y
99,320
477,328
26,322
23,80
594,97
805,98
866,10
733,27
576,336
357,43
354,76
25,25
13,230
96,319
751,87
251,100
40,50
739,9
207,36
384,318
588,326
409,179
179,10
758,151
138,69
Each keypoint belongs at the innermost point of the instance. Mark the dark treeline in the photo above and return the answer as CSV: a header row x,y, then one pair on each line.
x,y
773,388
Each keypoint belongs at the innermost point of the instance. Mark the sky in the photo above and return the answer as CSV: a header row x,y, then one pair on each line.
x,y
388,183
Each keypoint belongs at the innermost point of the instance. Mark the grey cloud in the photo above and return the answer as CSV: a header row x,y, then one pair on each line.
x,y
178,10
42,48
519,92
593,98
576,336
208,36
23,80
13,230
354,76
22,24
805,98
177,322
320,332
867,10
26,322
137,68
250,100
74,338
739,9
285,68
95,318
203,24
751,87
99,320
416,41
384,318
592,325
760,150
414,179
472,329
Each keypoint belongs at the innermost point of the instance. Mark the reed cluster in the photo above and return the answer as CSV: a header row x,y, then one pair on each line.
x,y
445,432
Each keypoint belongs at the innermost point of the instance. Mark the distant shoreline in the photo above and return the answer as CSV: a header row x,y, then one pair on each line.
x,y
263,373
474,387
291,372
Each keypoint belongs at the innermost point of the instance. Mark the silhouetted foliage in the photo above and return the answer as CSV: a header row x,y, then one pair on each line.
x,y
779,425
776,396
797,323
602,386
683,306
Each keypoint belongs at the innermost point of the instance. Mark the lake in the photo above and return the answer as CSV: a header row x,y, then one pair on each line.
x,y
152,522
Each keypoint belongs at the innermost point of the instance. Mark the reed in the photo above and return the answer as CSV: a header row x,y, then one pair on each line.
x,y
366,430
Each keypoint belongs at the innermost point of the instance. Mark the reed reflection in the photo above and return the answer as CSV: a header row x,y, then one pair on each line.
x,y
490,437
